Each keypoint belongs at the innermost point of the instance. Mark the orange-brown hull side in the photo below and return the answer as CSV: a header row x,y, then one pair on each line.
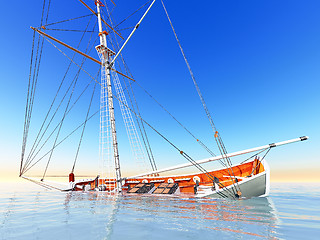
x,y
186,182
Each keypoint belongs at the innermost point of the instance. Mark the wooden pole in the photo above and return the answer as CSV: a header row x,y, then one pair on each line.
x,y
66,45
220,157
77,51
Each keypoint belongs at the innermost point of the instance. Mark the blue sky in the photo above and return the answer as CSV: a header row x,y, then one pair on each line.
x,y
256,62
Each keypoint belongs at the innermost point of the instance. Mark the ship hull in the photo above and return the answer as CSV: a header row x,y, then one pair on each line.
x,y
251,179
255,186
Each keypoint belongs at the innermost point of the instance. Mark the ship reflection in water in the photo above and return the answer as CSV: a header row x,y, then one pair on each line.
x,y
41,214
137,217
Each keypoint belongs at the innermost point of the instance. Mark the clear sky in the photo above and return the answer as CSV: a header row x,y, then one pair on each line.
x,y
256,62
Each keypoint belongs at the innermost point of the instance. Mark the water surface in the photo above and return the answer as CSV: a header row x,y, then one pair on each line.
x,y
28,212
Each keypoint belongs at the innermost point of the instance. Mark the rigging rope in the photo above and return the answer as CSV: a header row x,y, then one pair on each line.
x,y
66,109
143,130
36,144
25,135
84,126
122,29
68,30
67,20
60,125
184,155
129,73
200,142
197,139
132,14
254,155
47,186
260,161
188,131
27,167
140,125
181,152
32,87
62,141
218,139
193,162
139,122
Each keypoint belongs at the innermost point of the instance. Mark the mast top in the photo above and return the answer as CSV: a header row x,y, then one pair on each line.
x,y
96,2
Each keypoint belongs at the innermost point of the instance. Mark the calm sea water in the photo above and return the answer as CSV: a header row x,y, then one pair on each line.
x,y
26,212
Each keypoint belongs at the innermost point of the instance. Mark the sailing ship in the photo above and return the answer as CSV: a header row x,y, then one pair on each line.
x,y
250,178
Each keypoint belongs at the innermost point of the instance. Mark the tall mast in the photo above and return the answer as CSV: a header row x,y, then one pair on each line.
x,y
105,55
